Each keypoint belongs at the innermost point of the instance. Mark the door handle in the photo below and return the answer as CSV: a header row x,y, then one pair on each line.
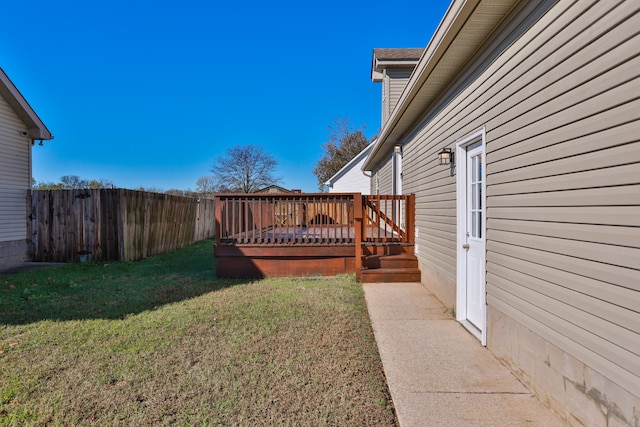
x,y
465,246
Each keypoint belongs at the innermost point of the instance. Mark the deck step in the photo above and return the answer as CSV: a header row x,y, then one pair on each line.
x,y
390,261
389,275
387,249
390,265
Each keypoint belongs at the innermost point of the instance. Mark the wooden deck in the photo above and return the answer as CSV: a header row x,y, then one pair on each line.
x,y
259,235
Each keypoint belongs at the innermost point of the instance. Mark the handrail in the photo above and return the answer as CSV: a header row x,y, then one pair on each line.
x,y
389,218
373,203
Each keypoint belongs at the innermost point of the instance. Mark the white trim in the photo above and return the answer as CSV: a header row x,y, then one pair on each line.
x,y
461,204
37,129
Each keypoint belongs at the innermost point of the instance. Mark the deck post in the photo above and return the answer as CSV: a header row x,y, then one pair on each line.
x,y
411,218
358,214
217,229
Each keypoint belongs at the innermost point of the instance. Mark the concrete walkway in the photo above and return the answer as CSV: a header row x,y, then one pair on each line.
x,y
438,373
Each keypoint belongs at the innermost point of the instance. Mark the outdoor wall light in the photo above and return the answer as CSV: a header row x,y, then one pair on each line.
x,y
446,156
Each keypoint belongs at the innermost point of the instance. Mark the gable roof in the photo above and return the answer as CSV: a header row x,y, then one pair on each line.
x,y
384,58
36,128
465,27
406,53
275,189
350,165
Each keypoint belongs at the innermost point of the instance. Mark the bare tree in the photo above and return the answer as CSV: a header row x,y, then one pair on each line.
x,y
343,145
206,186
176,192
73,182
100,183
245,169
47,186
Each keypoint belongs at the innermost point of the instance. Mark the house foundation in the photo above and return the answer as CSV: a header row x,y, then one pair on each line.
x,y
13,252
582,396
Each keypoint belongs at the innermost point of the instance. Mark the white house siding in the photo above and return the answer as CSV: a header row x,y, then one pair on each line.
x,y
15,167
352,181
561,109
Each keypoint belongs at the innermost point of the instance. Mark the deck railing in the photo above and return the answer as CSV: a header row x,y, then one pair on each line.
x,y
313,219
283,219
388,219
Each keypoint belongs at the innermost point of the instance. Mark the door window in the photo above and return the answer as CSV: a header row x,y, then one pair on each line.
x,y
476,207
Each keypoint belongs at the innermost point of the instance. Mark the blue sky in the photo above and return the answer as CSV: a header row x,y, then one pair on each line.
x,y
150,93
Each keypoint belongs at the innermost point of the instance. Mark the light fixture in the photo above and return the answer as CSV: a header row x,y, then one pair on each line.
x,y
446,156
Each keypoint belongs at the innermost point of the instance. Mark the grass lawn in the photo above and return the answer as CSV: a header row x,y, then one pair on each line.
x,y
162,342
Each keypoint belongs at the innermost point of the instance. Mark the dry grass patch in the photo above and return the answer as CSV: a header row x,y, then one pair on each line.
x,y
182,348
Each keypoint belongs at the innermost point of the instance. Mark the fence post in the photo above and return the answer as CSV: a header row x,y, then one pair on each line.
x,y
357,225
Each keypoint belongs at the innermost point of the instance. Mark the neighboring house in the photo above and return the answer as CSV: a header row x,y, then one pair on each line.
x,y
532,236
351,178
20,126
275,189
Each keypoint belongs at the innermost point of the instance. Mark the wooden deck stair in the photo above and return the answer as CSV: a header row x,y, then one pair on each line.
x,y
390,263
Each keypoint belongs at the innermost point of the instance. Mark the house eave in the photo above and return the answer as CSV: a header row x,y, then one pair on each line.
x,y
377,75
463,30
36,128
400,58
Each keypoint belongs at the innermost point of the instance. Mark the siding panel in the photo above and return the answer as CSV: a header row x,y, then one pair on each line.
x,y
561,282
620,276
605,196
583,310
608,177
618,256
15,175
561,108
385,178
397,82
619,236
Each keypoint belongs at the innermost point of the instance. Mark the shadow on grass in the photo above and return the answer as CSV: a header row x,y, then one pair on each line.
x,y
109,290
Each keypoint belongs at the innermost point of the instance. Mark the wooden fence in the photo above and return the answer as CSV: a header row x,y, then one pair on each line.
x,y
114,224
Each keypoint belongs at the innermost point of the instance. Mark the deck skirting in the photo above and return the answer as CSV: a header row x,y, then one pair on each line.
x,y
258,261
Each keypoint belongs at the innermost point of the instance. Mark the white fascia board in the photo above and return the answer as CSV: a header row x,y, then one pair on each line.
x,y
377,71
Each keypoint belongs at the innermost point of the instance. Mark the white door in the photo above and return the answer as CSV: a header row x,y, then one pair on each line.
x,y
471,297
475,242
